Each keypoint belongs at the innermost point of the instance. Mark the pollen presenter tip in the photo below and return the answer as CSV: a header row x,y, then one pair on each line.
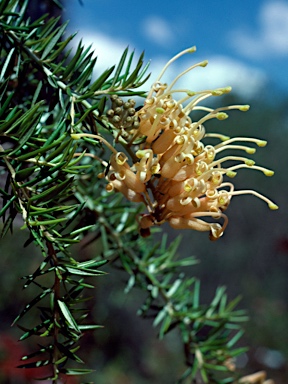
x,y
273,206
192,49
244,108
204,63
222,116
226,89
249,162
231,174
261,143
217,92
75,136
268,173
250,151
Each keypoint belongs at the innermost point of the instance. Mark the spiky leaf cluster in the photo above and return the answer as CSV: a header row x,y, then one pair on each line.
x,y
209,332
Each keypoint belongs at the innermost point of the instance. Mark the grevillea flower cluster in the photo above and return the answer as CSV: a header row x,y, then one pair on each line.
x,y
180,179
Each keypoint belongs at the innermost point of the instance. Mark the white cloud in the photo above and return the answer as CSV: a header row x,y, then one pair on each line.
x,y
275,22
157,30
272,36
220,72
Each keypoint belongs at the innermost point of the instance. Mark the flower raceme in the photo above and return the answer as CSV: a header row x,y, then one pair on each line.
x,y
178,177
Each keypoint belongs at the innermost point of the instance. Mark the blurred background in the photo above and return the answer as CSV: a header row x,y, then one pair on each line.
x,y
246,44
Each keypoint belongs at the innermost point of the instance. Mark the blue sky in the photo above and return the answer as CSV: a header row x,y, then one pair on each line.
x,y
246,43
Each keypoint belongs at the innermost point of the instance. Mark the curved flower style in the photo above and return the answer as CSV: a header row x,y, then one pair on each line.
x,y
178,177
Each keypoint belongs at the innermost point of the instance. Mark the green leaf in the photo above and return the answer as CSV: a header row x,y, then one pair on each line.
x,y
71,66
101,80
37,92
32,303
25,173
160,316
235,339
3,5
204,375
128,66
47,222
50,193
10,119
215,367
87,112
165,327
61,46
196,294
28,123
35,330
37,353
4,97
7,205
48,27
22,12
53,41
58,4
89,327
75,371
5,65
84,271
68,316
130,284
131,79
119,68
8,224
68,353
66,143
175,286
36,364
92,263
42,149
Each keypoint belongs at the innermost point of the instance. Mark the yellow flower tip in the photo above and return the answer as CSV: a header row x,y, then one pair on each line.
x,y
224,138
191,93
268,172
189,159
180,140
226,89
109,187
121,158
192,49
222,201
159,110
187,188
217,92
155,169
249,162
244,108
231,174
140,153
273,206
75,136
250,151
261,143
221,116
204,63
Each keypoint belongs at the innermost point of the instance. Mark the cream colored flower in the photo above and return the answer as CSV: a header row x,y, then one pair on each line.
x,y
256,378
180,179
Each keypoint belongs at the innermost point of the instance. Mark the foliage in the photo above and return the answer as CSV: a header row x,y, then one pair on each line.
x,y
50,181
